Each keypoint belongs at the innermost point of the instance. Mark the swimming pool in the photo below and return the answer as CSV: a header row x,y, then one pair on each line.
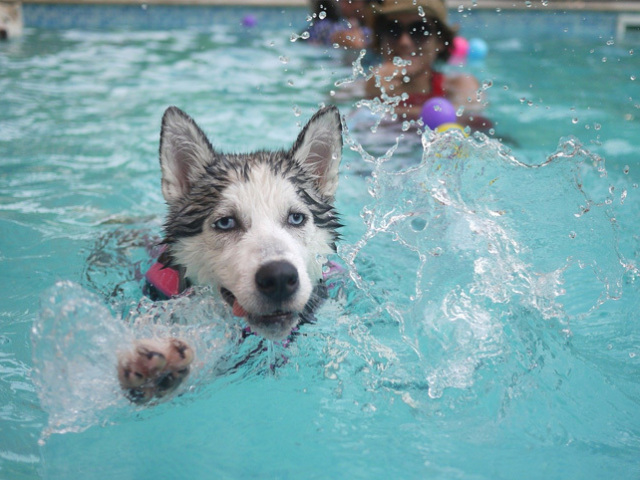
x,y
489,327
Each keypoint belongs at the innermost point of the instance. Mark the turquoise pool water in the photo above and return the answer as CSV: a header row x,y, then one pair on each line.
x,y
486,327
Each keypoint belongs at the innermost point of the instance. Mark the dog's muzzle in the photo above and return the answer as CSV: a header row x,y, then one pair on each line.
x,y
277,282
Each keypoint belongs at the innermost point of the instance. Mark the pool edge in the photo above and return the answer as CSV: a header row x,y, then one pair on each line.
x,y
588,5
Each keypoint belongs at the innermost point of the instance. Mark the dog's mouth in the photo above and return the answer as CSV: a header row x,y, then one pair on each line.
x,y
275,325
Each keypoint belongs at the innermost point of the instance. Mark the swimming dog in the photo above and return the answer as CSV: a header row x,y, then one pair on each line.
x,y
256,227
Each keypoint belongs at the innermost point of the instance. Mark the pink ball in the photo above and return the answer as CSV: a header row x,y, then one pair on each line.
x,y
460,47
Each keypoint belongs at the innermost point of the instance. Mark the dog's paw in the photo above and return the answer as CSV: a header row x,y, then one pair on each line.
x,y
154,368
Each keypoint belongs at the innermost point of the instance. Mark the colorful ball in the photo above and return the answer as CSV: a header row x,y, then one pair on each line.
x,y
249,21
437,111
478,49
445,127
460,47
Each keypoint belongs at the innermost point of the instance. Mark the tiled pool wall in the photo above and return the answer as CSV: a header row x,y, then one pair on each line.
x,y
474,22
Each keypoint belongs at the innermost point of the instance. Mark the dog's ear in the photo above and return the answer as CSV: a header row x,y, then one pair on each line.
x,y
184,153
319,149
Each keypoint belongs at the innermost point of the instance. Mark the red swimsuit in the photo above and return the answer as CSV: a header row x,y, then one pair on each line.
x,y
437,90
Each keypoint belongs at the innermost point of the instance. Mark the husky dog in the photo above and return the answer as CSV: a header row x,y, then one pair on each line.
x,y
10,19
256,227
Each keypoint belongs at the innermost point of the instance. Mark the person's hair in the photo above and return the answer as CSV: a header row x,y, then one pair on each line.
x,y
380,25
327,6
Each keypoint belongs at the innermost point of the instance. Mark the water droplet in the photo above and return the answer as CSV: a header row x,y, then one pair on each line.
x,y
421,11
597,126
284,59
528,4
296,111
487,84
406,79
604,59
545,3
418,224
305,35
610,42
332,93
574,120
623,196
322,15
572,234
460,8
290,83
406,126
633,77
625,170
498,10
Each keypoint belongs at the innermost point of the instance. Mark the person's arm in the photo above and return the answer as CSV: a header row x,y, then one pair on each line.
x,y
463,90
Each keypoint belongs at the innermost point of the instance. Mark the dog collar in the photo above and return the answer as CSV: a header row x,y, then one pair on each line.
x,y
166,280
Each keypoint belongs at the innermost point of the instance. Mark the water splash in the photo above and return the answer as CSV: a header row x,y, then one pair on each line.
x,y
484,257
77,340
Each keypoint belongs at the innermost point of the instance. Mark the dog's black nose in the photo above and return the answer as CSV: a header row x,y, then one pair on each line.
x,y
277,280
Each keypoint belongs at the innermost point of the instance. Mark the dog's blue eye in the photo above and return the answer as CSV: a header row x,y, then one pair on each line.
x,y
225,223
296,219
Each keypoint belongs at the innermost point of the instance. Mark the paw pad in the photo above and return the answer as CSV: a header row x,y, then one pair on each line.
x,y
154,368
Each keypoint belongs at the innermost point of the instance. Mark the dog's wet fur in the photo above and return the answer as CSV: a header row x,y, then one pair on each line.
x,y
257,227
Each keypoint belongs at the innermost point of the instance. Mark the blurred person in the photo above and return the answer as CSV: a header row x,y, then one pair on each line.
x,y
340,22
414,38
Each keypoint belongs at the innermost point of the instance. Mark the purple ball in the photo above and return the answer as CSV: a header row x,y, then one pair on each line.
x,y
249,21
437,111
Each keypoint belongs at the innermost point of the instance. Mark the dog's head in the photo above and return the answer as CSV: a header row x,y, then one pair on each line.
x,y
255,226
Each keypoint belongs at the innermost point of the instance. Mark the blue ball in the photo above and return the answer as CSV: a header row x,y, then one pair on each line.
x,y
478,49
437,111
